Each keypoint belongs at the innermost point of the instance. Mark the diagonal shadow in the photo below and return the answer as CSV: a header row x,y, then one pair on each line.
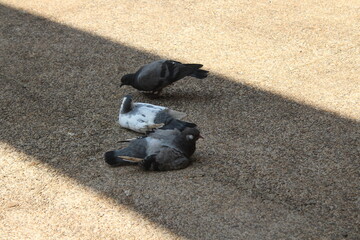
x,y
265,157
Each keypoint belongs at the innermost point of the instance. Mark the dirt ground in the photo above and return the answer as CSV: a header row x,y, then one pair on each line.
x,y
280,115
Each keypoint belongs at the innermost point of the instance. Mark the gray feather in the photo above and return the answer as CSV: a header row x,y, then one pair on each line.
x,y
159,74
160,150
166,159
137,148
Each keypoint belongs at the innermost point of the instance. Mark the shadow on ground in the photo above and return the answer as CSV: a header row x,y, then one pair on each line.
x,y
59,103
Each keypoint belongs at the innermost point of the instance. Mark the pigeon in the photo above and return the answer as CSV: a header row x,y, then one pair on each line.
x,y
154,76
143,117
160,150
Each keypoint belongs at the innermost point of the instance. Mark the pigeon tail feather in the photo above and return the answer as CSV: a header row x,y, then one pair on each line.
x,y
114,161
200,74
193,65
176,114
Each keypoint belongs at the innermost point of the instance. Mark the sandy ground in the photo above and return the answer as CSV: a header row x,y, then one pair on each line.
x,y
280,115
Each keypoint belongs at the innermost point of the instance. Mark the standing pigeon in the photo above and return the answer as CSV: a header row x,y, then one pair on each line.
x,y
143,117
161,150
154,76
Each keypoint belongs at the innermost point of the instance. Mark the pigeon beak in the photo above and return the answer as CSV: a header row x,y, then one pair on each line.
x,y
201,137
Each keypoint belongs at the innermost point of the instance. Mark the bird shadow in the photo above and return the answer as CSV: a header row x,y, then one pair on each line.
x,y
60,102
174,94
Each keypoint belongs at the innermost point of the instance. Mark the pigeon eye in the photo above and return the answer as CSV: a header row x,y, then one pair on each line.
x,y
189,137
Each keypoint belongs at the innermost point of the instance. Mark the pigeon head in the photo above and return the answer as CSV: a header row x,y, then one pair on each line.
x,y
191,134
126,105
127,79
186,143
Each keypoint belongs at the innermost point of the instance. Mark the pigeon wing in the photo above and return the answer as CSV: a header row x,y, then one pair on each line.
x,y
151,76
167,136
178,124
137,149
169,159
177,70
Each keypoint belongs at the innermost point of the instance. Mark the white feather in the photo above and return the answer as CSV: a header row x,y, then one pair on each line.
x,y
153,145
142,115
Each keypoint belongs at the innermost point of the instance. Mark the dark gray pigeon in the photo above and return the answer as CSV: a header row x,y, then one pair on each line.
x,y
154,76
143,117
160,150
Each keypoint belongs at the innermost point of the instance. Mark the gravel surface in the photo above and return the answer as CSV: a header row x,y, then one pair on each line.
x,y
279,113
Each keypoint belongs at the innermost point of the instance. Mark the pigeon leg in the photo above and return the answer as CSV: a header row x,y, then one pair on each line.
x,y
131,139
158,92
156,125
151,127
148,162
